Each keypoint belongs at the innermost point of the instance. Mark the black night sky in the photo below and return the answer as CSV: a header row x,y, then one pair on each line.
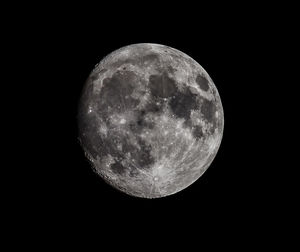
x,y
67,43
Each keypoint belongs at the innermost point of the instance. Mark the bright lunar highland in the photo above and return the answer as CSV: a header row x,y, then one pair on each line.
x,y
150,120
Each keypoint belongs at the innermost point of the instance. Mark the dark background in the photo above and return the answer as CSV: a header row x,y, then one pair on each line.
x,y
63,44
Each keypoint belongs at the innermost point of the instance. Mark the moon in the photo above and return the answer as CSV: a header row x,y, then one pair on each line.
x,y
150,120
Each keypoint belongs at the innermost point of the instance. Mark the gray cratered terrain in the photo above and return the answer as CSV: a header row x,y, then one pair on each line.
x,y
150,120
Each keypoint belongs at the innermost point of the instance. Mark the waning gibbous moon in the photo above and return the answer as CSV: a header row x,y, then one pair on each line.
x,y
150,120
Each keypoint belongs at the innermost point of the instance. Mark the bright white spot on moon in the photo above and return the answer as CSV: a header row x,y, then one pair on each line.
x,y
123,121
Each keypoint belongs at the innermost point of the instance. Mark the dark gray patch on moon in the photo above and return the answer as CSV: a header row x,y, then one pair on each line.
x,y
155,106
116,91
143,156
118,168
140,123
135,120
208,109
149,58
202,82
162,85
197,132
182,103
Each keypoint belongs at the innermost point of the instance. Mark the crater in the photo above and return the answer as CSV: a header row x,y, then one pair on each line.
x,y
202,82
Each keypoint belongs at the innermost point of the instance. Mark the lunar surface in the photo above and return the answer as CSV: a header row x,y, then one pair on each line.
x,y
150,120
